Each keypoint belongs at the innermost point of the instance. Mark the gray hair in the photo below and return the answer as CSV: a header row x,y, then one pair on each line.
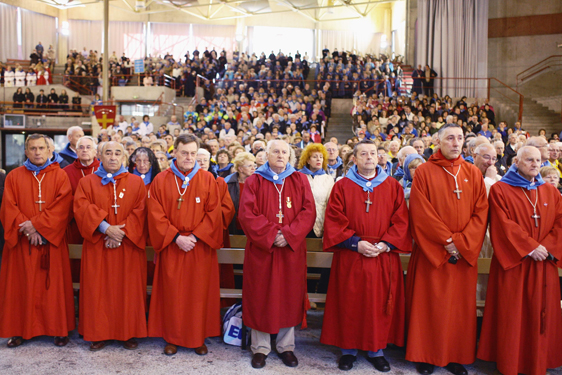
x,y
72,129
442,129
482,147
270,144
86,138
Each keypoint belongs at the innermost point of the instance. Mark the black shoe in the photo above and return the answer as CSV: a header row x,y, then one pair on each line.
x,y
346,362
425,368
456,369
380,363
258,360
289,359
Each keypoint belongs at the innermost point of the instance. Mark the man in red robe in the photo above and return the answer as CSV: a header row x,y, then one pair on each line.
x,y
35,284
185,225
109,207
365,305
448,219
522,326
84,165
276,212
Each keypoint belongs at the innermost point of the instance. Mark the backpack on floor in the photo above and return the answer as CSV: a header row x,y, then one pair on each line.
x,y
232,325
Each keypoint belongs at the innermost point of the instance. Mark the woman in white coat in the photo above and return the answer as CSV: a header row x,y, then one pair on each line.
x,y
313,163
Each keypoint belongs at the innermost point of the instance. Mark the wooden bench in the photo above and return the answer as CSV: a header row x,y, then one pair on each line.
x,y
315,258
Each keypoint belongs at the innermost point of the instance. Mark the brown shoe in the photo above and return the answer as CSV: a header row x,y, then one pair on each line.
x,y
170,349
130,344
289,359
15,341
258,360
97,345
202,350
61,340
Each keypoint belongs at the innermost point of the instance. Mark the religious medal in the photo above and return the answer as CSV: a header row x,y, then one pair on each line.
x,y
289,203
143,176
275,177
121,195
197,200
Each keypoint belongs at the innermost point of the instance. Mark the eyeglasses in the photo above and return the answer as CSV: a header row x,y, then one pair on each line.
x,y
489,158
252,166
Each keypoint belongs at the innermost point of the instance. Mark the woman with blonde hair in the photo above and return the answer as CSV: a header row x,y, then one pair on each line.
x,y
313,163
551,176
244,165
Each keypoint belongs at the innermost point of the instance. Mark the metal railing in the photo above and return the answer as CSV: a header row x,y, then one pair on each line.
x,y
553,62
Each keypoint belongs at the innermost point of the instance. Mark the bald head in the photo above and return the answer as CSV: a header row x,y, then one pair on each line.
x,y
475,142
541,144
528,162
405,151
485,156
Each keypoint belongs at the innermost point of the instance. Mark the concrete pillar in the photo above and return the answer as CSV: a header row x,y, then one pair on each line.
x,y
62,40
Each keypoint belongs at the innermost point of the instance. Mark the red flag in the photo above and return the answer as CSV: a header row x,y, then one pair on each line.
x,y
105,115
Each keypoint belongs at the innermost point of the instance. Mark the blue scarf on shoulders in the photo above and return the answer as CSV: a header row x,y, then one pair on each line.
x,y
365,184
34,168
225,168
338,164
68,152
513,178
469,159
229,177
181,176
399,172
307,171
57,158
107,177
266,172
147,175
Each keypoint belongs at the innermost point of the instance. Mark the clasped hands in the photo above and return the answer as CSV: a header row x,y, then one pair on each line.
x,y
280,240
539,254
186,243
371,251
452,249
31,233
114,236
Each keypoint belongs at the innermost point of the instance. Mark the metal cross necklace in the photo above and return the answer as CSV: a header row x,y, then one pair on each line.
x,y
39,181
280,214
180,199
456,191
535,216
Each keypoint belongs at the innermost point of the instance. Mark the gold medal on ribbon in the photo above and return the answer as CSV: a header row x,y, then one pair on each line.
x,y
289,203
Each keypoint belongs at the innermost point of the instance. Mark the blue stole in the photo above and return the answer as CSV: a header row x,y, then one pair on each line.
x,y
365,184
147,175
513,178
399,172
225,168
307,171
469,159
388,168
229,177
57,158
107,177
68,152
266,172
338,164
34,168
181,176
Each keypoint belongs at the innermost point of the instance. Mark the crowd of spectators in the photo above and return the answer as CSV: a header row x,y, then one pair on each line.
x,y
46,102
